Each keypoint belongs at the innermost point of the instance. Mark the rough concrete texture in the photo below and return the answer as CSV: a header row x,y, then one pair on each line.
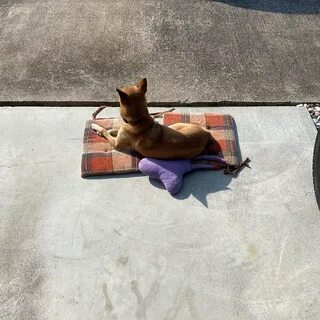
x,y
122,248
201,50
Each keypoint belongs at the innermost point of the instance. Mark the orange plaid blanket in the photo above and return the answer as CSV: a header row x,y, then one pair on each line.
x,y
99,158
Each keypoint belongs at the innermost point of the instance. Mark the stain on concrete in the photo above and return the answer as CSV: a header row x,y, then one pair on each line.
x,y
123,260
117,232
185,297
193,309
108,305
252,250
144,302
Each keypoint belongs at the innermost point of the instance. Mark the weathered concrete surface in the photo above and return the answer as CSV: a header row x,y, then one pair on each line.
x,y
120,248
198,50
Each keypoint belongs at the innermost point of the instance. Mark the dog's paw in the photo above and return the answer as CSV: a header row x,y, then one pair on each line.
x,y
98,129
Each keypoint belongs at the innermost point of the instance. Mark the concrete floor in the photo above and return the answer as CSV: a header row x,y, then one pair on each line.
x,y
200,50
121,248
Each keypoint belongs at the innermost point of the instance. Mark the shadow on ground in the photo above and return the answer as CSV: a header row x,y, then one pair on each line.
x,y
200,184
278,6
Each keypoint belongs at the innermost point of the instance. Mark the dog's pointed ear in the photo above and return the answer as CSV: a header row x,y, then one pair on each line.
x,y
142,85
123,95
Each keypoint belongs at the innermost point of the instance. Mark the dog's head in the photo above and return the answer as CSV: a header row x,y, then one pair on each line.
x,y
133,104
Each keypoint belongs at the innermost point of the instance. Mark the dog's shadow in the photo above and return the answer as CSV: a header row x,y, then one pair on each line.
x,y
200,184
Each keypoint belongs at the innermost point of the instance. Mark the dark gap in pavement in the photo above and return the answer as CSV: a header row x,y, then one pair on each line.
x,y
277,6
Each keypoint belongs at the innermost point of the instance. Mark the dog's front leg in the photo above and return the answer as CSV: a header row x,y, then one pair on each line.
x,y
113,132
116,139
102,132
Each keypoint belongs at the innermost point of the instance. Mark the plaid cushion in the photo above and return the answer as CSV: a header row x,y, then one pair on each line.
x,y
99,158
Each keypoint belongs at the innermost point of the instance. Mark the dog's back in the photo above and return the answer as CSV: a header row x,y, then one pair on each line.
x,y
179,141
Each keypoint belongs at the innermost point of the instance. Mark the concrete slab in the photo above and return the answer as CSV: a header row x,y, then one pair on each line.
x,y
200,50
120,248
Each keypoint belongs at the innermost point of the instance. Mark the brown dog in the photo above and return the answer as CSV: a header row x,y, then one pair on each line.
x,y
139,131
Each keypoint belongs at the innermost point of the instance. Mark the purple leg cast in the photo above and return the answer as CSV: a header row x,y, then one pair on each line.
x,y
171,172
